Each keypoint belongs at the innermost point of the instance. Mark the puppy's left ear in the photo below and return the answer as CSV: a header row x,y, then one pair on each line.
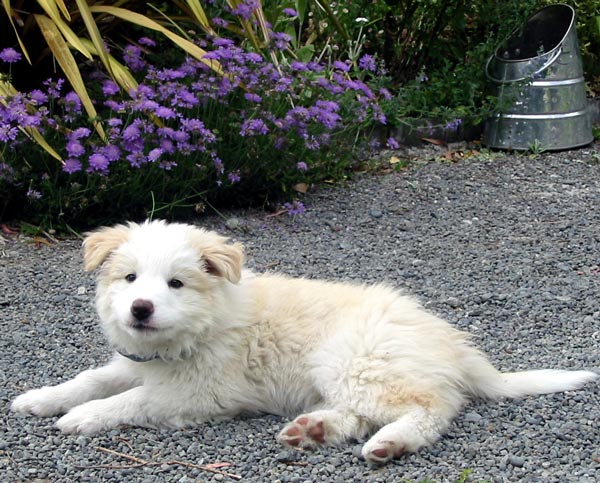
x,y
98,245
225,260
221,258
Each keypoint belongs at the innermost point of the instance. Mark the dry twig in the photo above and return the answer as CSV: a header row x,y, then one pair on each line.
x,y
139,462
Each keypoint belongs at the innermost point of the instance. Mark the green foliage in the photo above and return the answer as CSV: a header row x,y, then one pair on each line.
x,y
430,60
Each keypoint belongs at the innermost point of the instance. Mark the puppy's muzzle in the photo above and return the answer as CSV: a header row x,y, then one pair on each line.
x,y
142,310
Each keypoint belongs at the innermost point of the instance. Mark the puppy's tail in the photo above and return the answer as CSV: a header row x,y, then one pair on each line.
x,y
519,384
484,380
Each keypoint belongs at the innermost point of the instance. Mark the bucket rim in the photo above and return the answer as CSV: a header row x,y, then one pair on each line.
x,y
550,52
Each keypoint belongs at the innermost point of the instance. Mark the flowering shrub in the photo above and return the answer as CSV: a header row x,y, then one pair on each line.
x,y
184,136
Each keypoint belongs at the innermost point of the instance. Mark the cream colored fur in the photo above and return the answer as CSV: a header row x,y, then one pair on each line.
x,y
347,361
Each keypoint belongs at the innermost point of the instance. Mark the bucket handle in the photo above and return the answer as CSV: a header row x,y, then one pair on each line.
x,y
548,63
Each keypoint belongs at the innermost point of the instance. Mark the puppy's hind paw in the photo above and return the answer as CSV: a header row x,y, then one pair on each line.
x,y
380,452
303,432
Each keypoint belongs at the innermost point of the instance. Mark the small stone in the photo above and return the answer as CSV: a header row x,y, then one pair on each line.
x,y
283,456
375,213
233,223
472,417
516,461
453,302
81,291
357,451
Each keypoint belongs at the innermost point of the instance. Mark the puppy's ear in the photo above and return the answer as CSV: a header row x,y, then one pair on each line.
x,y
225,260
221,258
98,245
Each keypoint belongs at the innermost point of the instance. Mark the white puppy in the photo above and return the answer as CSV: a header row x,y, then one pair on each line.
x,y
196,340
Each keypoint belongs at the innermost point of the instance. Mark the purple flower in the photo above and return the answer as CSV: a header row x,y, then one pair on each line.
x,y
392,143
114,122
72,105
301,166
290,12
167,165
80,132
253,127
132,55
219,22
367,62
98,162
245,9
115,106
280,40
109,88
250,96
454,124
71,166
219,42
75,148
8,133
154,154
295,208
253,57
147,42
192,125
341,66
385,94
131,133
165,112
234,177
38,96
298,66
10,55
112,152
54,87
33,194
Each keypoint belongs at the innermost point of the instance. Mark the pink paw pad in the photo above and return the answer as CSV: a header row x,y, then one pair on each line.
x,y
303,432
383,452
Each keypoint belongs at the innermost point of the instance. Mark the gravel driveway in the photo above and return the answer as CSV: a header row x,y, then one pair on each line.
x,y
506,247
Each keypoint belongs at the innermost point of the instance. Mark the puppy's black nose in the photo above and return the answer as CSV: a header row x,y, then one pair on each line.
x,y
142,309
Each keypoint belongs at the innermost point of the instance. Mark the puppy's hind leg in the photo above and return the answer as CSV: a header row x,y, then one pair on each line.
x,y
416,428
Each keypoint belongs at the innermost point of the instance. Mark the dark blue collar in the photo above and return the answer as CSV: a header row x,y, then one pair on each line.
x,y
136,358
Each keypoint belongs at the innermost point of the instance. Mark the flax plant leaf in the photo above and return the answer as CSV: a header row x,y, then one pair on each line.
x,y
9,14
65,59
146,22
67,33
94,33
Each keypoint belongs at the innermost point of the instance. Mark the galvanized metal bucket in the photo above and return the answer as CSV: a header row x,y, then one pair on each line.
x,y
537,74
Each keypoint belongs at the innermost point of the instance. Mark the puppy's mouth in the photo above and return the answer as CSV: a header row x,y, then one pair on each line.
x,y
143,326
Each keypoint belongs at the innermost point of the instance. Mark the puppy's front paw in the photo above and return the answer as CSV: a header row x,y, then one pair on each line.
x,y
42,402
87,419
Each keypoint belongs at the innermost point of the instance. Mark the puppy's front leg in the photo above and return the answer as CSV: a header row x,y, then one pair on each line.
x,y
150,406
105,381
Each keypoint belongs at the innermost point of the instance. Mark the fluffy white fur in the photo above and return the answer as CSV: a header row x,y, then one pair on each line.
x,y
353,361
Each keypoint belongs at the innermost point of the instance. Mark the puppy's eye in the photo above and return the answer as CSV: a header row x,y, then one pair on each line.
x,y
174,283
130,277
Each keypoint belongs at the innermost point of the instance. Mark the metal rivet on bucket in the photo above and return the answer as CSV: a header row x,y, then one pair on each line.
x,y
537,73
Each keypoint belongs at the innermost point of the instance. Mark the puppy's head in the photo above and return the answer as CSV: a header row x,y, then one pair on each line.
x,y
162,288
